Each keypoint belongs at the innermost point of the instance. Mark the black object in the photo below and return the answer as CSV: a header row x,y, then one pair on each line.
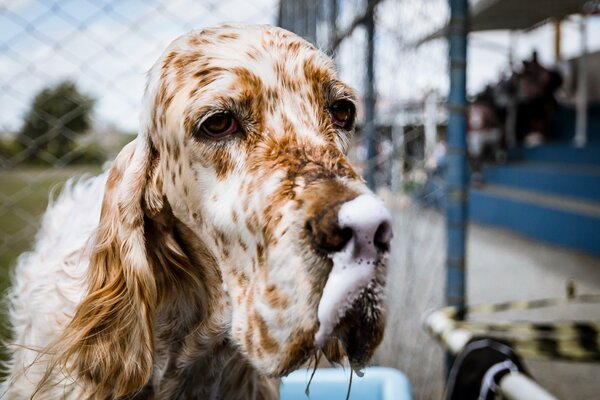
x,y
478,369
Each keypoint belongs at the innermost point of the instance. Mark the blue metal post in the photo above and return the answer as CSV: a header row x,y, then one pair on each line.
x,y
457,178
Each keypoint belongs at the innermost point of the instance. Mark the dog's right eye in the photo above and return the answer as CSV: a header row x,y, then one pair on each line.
x,y
342,113
219,125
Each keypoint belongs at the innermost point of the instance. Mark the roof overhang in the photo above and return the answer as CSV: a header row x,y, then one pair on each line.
x,y
488,15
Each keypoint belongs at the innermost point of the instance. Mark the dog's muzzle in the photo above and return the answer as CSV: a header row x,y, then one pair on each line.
x,y
355,235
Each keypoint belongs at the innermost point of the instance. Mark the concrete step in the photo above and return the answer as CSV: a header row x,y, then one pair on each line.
x,y
559,220
569,180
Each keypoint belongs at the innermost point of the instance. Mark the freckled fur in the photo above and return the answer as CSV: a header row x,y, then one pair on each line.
x,y
186,270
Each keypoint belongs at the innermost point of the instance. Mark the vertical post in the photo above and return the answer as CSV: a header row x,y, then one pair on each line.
x,y
333,14
557,41
580,139
510,125
430,123
398,159
299,16
457,195
370,100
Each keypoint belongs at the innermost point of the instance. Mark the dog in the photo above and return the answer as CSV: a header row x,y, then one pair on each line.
x,y
225,246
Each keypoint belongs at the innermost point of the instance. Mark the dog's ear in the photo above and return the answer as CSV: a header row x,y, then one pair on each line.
x,y
109,341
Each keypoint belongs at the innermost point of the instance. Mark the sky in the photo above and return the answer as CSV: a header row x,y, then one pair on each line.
x,y
107,46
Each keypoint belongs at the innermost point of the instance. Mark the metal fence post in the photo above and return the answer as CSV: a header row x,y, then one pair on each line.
x,y
581,123
370,100
456,212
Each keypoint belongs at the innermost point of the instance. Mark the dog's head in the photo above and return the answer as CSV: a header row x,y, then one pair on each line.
x,y
244,136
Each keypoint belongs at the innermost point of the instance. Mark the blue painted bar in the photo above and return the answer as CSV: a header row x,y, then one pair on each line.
x,y
551,225
560,153
576,181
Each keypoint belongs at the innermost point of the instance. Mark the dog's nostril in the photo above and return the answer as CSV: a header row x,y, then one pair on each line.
x,y
327,236
383,235
341,237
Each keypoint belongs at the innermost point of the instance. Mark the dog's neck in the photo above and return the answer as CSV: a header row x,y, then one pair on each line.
x,y
194,356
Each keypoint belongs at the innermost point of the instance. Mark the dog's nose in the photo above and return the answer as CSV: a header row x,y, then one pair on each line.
x,y
363,223
355,234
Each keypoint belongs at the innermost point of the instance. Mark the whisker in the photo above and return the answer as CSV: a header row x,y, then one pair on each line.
x,y
349,384
317,359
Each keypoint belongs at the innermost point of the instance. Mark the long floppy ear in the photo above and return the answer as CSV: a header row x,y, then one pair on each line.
x,y
108,345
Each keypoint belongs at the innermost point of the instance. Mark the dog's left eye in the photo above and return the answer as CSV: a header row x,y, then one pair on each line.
x,y
342,113
219,125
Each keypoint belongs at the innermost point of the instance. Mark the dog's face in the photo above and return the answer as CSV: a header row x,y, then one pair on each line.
x,y
251,125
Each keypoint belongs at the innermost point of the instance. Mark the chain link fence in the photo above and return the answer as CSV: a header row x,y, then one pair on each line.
x,y
72,74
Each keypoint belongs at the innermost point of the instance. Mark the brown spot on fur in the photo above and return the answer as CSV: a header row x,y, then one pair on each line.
x,y
242,279
246,203
248,340
114,177
250,327
228,36
253,54
252,223
266,341
298,347
275,298
260,255
197,41
223,239
321,198
223,162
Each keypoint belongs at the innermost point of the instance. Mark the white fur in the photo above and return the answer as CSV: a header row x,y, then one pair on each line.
x,y
49,282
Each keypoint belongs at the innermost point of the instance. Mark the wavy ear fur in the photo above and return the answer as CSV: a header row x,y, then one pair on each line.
x,y
109,342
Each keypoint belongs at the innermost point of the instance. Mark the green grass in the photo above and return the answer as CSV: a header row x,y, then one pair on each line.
x,y
24,196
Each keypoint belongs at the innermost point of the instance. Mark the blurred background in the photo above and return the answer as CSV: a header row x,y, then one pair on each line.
x,y
72,74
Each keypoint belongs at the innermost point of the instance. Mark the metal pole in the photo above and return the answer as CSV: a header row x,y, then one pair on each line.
x,y
430,123
370,101
457,195
510,124
580,139
333,14
518,386
398,159
557,41
513,386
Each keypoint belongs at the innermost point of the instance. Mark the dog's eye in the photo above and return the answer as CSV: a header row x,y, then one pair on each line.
x,y
342,113
219,125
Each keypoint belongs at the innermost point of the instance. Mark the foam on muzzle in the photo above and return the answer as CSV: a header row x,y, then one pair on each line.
x,y
354,265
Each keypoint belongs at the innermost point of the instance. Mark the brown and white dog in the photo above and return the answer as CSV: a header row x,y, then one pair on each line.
x,y
228,243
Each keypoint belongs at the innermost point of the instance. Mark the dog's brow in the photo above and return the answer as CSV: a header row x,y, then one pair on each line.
x,y
338,90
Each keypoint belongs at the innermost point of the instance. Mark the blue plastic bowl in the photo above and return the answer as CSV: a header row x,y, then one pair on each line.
x,y
378,383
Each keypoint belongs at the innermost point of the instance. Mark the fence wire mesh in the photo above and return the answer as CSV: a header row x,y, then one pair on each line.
x,y
72,74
